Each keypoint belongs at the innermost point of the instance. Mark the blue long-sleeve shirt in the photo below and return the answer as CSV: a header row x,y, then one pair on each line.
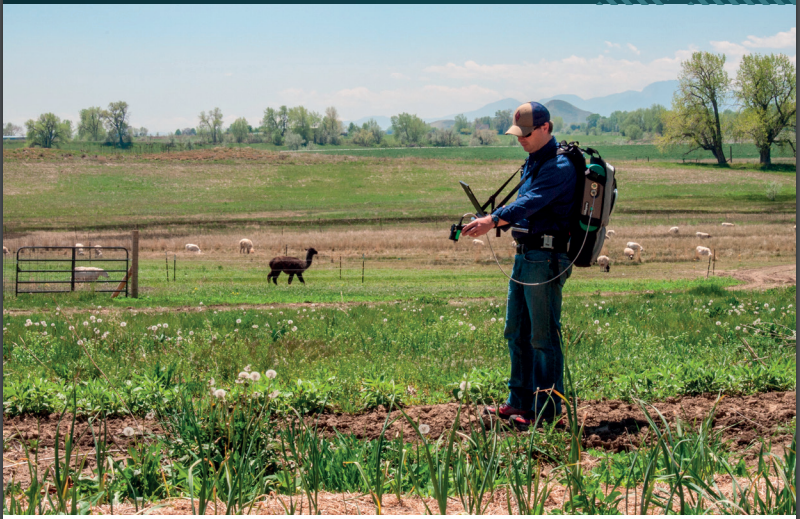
x,y
543,204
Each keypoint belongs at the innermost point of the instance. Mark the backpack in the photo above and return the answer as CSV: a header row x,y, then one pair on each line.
x,y
594,199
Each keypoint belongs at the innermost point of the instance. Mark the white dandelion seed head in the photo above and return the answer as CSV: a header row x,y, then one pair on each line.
x,y
294,328
596,321
86,323
99,320
424,428
220,393
238,321
289,322
275,394
128,431
255,327
123,324
255,376
270,374
719,323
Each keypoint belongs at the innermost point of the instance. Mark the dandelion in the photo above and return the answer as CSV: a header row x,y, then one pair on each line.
x,y
461,323
255,327
211,382
52,325
275,394
165,325
596,321
494,320
220,393
607,324
738,328
441,318
235,330
123,324
255,376
244,374
294,328
289,322
247,368
191,332
150,416
99,320
270,374
464,386
128,431
471,327
238,321
43,323
424,428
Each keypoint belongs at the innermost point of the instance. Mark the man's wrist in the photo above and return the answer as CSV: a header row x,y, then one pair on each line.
x,y
495,219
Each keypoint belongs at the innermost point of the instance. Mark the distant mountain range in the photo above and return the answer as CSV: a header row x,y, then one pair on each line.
x,y
571,108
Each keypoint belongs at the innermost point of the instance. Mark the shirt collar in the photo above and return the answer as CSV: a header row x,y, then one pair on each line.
x,y
544,150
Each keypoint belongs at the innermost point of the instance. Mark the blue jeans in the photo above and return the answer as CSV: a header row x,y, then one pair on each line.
x,y
533,326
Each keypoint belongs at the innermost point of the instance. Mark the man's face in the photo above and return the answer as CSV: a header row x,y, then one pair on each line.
x,y
534,142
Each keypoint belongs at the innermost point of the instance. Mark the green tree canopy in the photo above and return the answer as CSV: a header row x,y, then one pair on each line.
x,y
302,122
461,123
502,121
47,131
90,127
240,130
409,129
11,129
116,119
211,125
330,129
703,87
766,86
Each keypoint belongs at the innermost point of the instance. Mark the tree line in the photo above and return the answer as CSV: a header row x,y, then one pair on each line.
x,y
708,110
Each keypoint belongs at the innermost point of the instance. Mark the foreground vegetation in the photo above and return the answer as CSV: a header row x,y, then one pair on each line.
x,y
702,340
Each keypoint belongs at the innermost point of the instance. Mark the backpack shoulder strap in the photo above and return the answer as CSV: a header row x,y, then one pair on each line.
x,y
534,174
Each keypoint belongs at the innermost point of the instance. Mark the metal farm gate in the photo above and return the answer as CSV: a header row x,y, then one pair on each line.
x,y
66,269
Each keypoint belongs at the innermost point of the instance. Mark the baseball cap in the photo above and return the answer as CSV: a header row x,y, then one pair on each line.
x,y
527,117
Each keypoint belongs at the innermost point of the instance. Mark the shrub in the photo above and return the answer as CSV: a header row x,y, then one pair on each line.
x,y
444,137
293,141
773,188
484,138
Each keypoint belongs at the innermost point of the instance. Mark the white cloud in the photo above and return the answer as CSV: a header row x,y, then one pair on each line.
x,y
782,40
398,75
612,45
633,48
585,77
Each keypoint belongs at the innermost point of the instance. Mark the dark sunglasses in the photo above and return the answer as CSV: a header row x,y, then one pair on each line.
x,y
534,129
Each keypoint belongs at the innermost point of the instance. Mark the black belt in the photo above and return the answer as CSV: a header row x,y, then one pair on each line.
x,y
544,242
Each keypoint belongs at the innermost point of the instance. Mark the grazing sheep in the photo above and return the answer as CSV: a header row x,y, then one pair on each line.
x,y
98,251
191,247
702,235
610,233
89,274
728,224
674,230
635,246
701,251
79,250
630,253
291,266
477,242
604,261
245,245
6,251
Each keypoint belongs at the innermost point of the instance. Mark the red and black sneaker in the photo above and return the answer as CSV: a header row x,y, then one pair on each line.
x,y
503,411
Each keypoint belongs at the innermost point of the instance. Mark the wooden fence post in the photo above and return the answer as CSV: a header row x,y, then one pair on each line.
x,y
135,264
363,263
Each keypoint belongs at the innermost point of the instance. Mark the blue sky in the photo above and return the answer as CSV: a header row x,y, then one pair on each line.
x,y
171,62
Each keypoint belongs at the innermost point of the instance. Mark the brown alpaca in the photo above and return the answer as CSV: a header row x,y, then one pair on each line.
x,y
291,266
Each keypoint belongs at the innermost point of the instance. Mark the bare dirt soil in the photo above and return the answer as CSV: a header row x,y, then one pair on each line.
x,y
764,277
610,425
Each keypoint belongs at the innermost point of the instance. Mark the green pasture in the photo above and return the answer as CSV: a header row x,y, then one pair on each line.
x,y
651,346
80,194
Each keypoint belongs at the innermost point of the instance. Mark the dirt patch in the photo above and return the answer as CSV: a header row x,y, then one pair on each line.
x,y
39,433
764,277
611,425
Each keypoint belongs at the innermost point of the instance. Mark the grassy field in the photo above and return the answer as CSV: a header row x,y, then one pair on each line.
x,y
426,320
243,186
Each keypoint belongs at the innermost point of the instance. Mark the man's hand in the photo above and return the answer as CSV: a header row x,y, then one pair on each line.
x,y
480,226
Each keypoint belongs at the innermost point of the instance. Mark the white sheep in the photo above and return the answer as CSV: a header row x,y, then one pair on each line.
x,y
191,247
88,274
701,251
728,224
98,251
79,250
610,233
674,230
6,252
635,246
630,253
246,245
702,235
476,241
604,261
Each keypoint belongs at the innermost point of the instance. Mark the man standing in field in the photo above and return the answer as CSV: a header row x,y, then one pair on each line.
x,y
539,221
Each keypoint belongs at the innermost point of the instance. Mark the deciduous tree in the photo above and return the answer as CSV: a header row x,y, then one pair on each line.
x,y
90,127
766,86
502,121
47,131
239,130
409,129
703,87
116,119
211,125
330,127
